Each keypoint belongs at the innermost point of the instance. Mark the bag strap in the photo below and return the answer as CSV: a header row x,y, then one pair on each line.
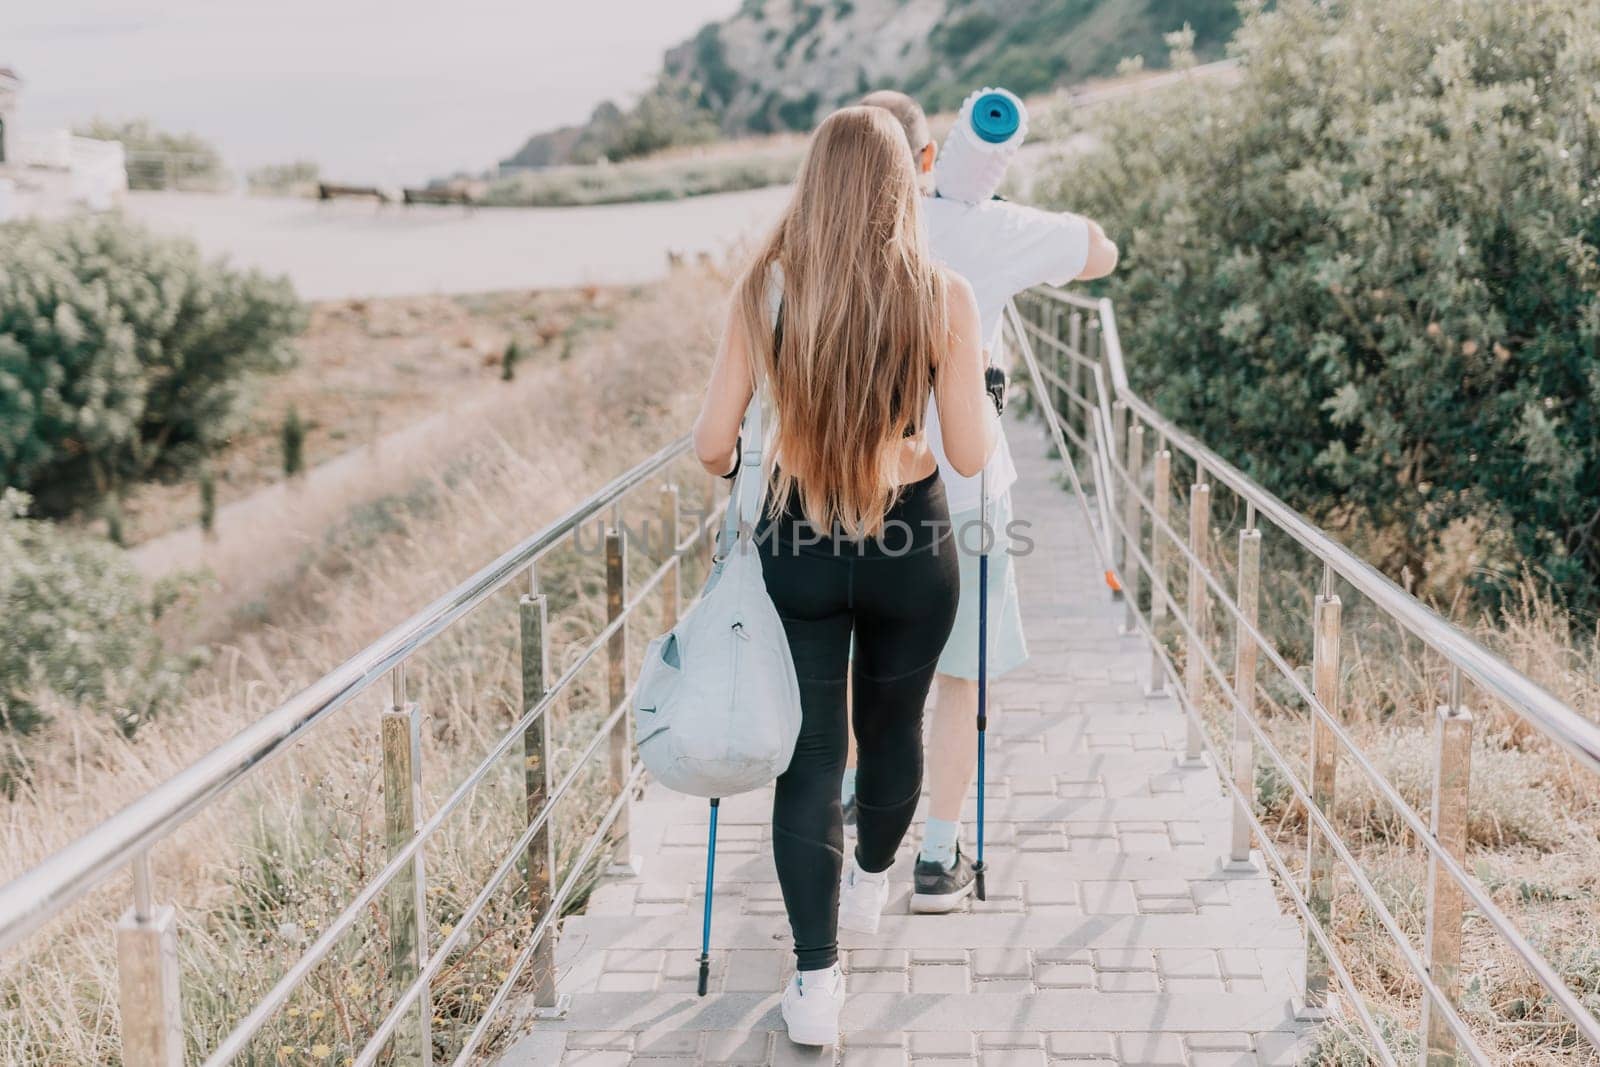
x,y
744,503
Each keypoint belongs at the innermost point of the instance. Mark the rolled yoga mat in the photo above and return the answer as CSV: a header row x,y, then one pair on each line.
x,y
980,147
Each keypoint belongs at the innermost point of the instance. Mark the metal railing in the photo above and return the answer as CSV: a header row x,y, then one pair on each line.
x,y
1073,352
147,959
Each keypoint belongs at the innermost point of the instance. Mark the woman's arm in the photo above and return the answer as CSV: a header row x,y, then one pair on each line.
x,y
716,431
966,414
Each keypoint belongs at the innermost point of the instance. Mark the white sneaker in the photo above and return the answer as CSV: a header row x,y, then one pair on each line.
x,y
861,898
811,1004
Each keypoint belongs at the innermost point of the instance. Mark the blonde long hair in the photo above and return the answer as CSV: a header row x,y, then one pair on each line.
x,y
862,321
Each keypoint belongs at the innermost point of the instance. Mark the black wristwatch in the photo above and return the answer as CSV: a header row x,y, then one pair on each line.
x,y
994,382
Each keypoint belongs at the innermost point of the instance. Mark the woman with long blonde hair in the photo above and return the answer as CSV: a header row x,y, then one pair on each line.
x,y
850,325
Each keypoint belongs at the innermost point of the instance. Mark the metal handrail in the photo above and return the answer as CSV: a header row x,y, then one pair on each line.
x,y
1534,705
1540,708
31,899
1528,701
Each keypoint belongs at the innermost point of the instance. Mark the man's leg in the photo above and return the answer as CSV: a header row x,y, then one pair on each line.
x,y
952,761
944,876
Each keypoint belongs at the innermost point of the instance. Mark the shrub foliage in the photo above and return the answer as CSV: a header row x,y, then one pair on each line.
x,y
123,355
1368,272
80,626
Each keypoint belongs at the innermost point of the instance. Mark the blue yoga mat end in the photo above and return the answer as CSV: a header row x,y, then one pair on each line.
x,y
994,117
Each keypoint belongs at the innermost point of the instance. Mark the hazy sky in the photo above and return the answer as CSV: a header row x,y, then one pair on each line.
x,y
374,90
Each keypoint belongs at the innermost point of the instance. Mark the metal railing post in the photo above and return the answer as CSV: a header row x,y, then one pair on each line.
x,y
147,977
616,689
1119,456
401,728
1161,494
1131,517
1452,769
671,597
1074,375
533,617
1091,352
1244,686
1194,671
1324,763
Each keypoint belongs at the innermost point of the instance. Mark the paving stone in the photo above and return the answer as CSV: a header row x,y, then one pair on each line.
x,y
650,961
875,1039
1219,1042
877,982
940,1043
1012,1057
1150,1050
873,1057
938,978
1080,1046
1001,963
1239,963
1277,1050
1109,898
994,1039
1125,959
787,1054
626,982
595,1058
867,959
1128,982
615,1040
1222,1059
732,1046
754,970
1163,906
668,1043
1188,963
1064,976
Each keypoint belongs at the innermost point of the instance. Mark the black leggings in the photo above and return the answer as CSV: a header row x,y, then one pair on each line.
x,y
897,595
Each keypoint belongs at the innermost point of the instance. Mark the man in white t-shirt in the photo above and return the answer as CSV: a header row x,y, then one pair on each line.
x,y
1001,249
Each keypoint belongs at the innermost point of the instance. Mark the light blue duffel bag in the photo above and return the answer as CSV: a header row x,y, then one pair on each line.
x,y
717,707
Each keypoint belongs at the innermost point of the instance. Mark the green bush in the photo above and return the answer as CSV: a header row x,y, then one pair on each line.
x,y
123,355
79,625
1369,273
161,160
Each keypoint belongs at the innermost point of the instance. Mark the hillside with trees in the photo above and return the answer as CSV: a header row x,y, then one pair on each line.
x,y
779,65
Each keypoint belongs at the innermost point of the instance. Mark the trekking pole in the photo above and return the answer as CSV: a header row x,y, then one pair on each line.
x,y
705,929
983,665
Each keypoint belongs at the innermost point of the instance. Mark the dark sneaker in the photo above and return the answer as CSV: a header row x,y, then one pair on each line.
x,y
850,813
938,888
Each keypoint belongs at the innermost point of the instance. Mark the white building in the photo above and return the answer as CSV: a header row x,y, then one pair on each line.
x,y
53,173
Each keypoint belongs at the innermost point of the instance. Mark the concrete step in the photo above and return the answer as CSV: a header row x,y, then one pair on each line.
x,y
1240,928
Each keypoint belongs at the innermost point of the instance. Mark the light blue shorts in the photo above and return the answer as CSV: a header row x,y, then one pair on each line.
x,y
1008,649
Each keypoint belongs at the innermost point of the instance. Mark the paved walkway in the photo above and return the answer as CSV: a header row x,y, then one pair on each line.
x,y
1112,935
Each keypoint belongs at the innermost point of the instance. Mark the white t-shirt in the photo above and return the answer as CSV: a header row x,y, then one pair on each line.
x,y
1001,249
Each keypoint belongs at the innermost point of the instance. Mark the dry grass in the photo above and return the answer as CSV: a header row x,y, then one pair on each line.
x,y
257,876
367,367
